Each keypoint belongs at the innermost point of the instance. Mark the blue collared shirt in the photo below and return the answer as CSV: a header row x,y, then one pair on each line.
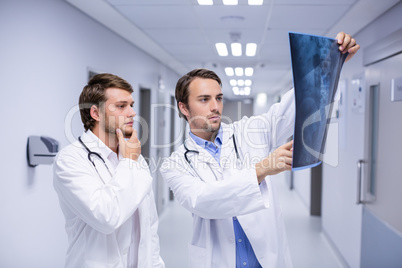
x,y
245,256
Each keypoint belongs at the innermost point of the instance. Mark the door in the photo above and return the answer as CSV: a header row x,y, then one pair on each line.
x,y
341,216
382,167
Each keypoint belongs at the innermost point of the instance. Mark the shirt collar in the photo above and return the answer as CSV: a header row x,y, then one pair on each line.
x,y
96,144
204,143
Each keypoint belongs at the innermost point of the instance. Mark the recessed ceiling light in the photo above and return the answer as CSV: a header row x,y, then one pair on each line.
x,y
239,71
249,71
230,2
240,82
247,83
205,2
233,82
229,71
236,49
251,49
222,49
236,90
255,2
247,90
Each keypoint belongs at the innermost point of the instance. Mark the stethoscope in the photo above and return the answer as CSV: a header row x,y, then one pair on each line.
x,y
197,152
90,158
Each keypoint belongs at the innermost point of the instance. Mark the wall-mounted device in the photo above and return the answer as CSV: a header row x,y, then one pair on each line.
x,y
41,150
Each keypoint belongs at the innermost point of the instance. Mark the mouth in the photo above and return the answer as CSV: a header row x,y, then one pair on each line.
x,y
129,123
215,117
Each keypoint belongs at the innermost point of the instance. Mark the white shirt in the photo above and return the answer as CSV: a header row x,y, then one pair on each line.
x,y
111,218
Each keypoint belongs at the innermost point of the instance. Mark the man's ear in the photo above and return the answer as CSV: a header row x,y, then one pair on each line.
x,y
183,109
95,113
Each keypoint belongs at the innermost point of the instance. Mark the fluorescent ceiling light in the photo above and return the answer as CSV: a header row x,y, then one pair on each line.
x,y
205,2
240,82
230,2
222,49
251,49
247,90
229,71
233,82
239,71
249,71
236,49
236,90
247,83
255,2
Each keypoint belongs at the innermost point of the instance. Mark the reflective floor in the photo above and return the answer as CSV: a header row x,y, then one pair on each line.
x,y
308,246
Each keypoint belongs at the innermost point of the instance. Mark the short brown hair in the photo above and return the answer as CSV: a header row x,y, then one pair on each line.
x,y
182,85
94,94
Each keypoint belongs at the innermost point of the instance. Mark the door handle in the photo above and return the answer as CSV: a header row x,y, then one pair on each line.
x,y
360,164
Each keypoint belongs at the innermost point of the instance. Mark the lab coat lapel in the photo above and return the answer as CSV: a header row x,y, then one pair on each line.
x,y
97,146
228,153
204,159
203,155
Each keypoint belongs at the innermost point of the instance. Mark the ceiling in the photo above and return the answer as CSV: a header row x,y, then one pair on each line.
x,y
182,34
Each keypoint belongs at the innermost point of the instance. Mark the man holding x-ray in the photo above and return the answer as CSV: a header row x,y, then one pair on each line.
x,y
221,174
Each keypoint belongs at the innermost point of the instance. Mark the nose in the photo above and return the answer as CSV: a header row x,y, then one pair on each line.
x,y
213,105
132,113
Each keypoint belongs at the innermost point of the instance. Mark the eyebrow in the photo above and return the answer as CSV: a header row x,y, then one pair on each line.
x,y
208,96
125,102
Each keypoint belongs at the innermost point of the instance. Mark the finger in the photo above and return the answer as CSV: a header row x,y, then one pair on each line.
x,y
287,146
288,160
119,135
346,40
286,153
352,51
350,44
134,136
340,36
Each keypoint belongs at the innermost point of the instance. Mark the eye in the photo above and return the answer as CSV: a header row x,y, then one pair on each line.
x,y
219,98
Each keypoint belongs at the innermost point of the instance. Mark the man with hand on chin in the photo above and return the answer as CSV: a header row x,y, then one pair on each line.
x,y
104,184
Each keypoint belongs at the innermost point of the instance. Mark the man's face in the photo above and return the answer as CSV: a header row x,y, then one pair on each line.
x,y
118,112
204,107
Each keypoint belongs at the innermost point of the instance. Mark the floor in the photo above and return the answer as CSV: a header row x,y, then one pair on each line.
x,y
308,246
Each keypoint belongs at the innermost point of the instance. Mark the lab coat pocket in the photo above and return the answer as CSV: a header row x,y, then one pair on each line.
x,y
198,256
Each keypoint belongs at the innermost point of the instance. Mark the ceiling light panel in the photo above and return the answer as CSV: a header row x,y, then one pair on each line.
x,y
229,71
236,90
251,49
249,71
205,2
230,2
236,49
239,71
222,49
255,2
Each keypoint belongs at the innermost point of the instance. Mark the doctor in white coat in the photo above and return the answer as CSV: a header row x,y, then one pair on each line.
x,y
221,175
104,185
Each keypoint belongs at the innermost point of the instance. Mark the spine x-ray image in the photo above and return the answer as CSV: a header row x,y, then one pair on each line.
x,y
316,66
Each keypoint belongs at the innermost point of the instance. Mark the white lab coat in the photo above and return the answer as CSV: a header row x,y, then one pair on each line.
x,y
226,191
111,224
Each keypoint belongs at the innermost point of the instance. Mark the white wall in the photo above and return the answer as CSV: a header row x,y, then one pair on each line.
x,y
46,47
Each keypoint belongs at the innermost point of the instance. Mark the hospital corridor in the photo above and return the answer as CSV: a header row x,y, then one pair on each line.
x,y
253,133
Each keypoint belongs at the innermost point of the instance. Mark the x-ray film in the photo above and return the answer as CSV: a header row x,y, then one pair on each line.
x,y
316,66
